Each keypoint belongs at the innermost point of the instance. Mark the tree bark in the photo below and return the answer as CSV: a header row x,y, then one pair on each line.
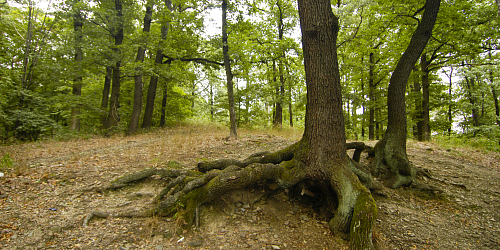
x,y
324,134
229,74
113,115
77,83
137,108
391,150
153,81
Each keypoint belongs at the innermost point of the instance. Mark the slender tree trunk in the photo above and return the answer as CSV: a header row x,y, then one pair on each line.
x,y
494,94
426,128
471,86
27,50
278,112
136,111
229,74
391,150
363,104
211,102
77,83
105,95
290,111
450,116
113,115
164,106
281,90
450,100
418,132
153,81
371,98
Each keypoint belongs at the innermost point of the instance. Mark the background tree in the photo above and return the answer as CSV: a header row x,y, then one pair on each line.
x,y
391,150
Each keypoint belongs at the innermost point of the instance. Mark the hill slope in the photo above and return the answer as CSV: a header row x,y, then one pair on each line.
x,y
42,203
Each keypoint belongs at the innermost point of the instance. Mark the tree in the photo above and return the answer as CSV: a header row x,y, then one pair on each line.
x,y
117,33
77,85
229,74
136,112
153,81
390,152
317,165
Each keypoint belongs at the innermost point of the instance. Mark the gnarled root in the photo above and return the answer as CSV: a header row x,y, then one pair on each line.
x,y
392,165
354,211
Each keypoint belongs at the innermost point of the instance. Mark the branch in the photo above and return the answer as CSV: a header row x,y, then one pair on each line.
x,y
356,32
197,60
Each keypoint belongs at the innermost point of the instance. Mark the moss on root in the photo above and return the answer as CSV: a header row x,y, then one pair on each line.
x,y
363,218
355,211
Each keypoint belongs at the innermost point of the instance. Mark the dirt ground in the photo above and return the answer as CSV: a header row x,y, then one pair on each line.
x,y
42,205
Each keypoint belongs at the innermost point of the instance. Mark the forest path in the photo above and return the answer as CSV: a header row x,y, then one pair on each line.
x,y
42,205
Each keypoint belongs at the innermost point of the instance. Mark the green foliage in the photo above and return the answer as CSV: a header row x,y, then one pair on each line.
x,y
372,36
464,140
6,162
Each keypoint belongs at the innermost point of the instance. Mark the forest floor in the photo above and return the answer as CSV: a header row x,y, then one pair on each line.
x,y
43,205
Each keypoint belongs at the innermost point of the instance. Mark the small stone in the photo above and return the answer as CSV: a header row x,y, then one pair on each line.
x,y
167,234
304,217
275,247
195,243
159,247
238,204
55,229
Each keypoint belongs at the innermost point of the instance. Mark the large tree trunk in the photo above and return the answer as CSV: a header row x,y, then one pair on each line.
x,y
113,115
153,81
229,74
324,134
77,83
391,150
136,111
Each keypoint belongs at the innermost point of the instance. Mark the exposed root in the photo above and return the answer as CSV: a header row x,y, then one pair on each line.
x,y
391,163
359,147
427,174
188,189
92,215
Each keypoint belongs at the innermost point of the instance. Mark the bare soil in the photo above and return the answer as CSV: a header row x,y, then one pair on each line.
x,y
42,205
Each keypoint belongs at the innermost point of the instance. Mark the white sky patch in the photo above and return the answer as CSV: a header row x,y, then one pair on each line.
x,y
213,22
